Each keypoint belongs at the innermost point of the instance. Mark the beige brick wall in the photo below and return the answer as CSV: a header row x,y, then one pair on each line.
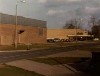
x,y
63,33
30,34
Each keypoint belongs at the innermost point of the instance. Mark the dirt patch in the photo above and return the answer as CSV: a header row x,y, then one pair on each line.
x,y
2,65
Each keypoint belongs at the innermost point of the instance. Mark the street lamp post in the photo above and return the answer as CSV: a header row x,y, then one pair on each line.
x,y
16,23
77,25
76,29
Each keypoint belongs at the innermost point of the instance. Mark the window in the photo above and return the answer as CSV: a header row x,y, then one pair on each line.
x,y
80,33
40,31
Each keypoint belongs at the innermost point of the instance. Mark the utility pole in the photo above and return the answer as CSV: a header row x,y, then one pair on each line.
x,y
16,23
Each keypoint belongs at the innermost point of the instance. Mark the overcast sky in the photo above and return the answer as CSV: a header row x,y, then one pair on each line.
x,y
55,12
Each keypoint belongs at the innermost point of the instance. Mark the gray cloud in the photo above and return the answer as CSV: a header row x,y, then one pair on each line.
x,y
55,12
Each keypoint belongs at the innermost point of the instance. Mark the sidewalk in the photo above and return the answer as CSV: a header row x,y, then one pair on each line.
x,y
15,51
44,69
51,70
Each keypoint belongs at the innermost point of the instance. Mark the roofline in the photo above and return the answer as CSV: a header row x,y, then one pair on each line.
x,y
80,35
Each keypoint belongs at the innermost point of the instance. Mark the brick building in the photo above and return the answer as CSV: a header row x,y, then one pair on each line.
x,y
28,30
67,33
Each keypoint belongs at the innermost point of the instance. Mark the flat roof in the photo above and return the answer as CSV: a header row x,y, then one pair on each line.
x,y
11,19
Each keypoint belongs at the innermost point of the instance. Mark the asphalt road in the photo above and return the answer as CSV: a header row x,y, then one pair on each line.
x,y
11,56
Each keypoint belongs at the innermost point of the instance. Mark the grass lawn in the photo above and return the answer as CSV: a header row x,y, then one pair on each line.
x,y
24,47
57,60
60,46
14,71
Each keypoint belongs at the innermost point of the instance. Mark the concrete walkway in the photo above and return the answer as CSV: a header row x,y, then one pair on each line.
x,y
51,70
44,69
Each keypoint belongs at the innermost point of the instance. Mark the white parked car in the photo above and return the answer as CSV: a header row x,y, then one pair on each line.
x,y
56,40
96,39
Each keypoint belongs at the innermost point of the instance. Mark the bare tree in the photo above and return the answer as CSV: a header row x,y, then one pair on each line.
x,y
95,26
93,21
72,24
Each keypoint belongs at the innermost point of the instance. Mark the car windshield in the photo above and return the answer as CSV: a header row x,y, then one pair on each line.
x,y
49,37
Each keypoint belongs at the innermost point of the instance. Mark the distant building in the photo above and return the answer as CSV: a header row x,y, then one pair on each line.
x,y
29,31
71,34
